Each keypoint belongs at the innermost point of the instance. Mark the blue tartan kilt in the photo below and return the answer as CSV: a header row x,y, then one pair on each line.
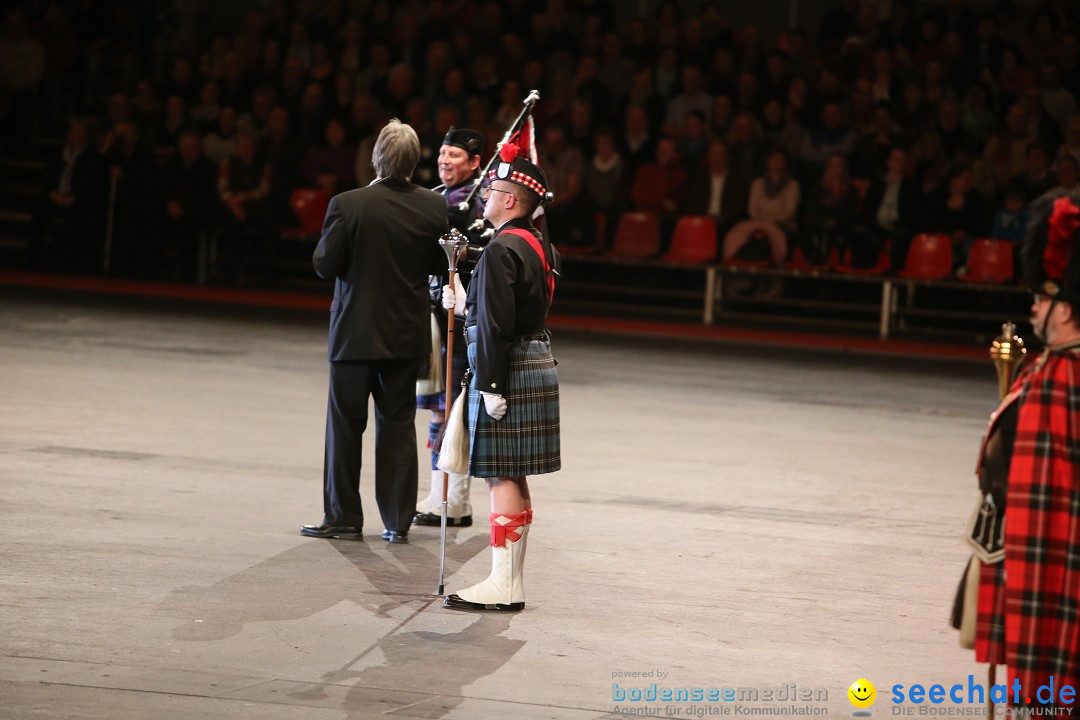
x,y
526,440
437,401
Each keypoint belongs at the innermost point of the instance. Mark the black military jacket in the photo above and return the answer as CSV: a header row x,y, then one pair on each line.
x,y
507,299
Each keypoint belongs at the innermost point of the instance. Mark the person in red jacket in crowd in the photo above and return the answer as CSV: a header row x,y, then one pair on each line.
x,y
658,188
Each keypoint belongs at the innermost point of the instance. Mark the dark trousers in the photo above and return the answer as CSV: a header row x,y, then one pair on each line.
x,y
392,384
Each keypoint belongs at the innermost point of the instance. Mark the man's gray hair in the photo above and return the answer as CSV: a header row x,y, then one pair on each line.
x,y
396,152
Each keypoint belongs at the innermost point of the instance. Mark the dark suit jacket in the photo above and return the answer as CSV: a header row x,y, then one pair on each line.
x,y
380,243
195,188
908,202
732,200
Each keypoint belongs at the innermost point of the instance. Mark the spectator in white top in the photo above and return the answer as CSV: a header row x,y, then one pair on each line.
x,y
220,145
773,208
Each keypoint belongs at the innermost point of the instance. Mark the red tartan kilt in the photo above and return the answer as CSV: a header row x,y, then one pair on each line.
x,y
990,621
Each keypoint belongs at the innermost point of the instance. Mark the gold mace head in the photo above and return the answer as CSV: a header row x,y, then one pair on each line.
x,y
1006,351
1007,347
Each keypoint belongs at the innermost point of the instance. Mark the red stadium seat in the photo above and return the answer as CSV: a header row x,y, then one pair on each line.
x,y
694,240
638,236
928,258
310,205
991,261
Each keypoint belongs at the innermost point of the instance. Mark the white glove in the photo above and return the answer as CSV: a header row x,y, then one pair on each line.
x,y
454,298
494,404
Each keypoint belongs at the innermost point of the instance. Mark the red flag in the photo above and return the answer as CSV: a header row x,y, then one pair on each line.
x,y
525,139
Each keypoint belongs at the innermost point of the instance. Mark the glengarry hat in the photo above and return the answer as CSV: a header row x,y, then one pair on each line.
x,y
514,168
468,140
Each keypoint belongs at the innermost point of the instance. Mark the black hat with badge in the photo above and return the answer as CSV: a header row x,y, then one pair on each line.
x,y
514,168
1052,251
468,140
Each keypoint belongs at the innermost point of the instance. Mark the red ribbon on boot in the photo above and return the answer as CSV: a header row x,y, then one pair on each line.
x,y
500,531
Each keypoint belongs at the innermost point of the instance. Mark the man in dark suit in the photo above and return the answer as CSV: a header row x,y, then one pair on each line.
x,y
379,243
188,202
73,227
716,190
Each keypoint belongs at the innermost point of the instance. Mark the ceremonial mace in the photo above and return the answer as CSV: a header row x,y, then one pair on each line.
x,y
1006,351
452,244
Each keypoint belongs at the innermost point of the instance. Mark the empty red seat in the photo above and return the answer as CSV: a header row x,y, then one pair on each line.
x,y
928,258
638,236
991,261
310,205
694,240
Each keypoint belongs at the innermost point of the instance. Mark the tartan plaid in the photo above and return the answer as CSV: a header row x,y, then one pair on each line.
x,y
437,401
1042,530
989,620
526,440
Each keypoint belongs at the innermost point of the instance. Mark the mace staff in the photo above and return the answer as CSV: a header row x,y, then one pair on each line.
x,y
453,243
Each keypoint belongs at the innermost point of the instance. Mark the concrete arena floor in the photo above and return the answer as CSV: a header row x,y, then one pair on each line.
x,y
730,516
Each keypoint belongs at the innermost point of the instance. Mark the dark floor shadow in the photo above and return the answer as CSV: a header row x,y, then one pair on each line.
x,y
310,578
439,664
317,575
443,664
415,575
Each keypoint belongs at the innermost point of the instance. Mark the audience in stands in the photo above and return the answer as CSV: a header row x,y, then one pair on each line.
x,y
188,198
716,190
956,210
941,114
828,219
606,182
773,211
1010,222
889,214
72,232
658,187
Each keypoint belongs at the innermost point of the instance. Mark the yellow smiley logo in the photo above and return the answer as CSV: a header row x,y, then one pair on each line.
x,y
862,693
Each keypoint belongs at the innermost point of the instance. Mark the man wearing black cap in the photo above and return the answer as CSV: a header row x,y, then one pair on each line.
x,y
459,165
1028,604
513,410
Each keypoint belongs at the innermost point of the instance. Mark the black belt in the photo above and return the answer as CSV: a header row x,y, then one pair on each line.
x,y
471,335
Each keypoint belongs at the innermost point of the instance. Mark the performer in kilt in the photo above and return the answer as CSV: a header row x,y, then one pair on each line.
x,y
459,164
513,408
1029,605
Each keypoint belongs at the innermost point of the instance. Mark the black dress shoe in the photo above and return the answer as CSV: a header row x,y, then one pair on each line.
x,y
456,603
394,536
330,531
433,520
